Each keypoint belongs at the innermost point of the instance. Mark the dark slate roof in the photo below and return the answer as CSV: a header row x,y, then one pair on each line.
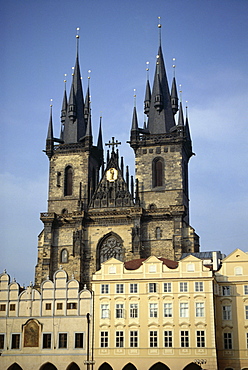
x,y
203,255
135,264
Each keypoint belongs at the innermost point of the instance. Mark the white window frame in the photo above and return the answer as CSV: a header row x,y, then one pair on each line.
x,y
168,309
183,287
226,290
104,288
59,336
228,340
184,309
104,339
227,312
184,339
47,333
133,288
105,311
199,286
167,287
119,339
168,338
119,288
133,310
153,310
200,339
119,311
133,338
153,339
152,287
199,309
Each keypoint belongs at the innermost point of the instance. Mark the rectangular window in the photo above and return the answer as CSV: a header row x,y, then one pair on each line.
x,y
15,342
59,306
247,340
226,313
134,338
47,340
199,286
153,310
119,339
12,307
119,288
168,338
246,312
1,341
200,338
184,309
183,287
153,338
133,288
134,310
227,340
2,307
104,289
79,340
245,289
104,311
167,309
152,288
62,340
48,306
119,311
226,290
167,287
184,338
199,309
71,306
104,339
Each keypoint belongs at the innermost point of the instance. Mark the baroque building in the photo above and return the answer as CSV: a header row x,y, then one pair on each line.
x,y
96,210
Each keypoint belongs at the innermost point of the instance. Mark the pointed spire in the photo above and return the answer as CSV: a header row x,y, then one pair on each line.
x,y
87,100
161,118
187,129
99,140
135,118
50,139
174,96
180,116
64,104
147,101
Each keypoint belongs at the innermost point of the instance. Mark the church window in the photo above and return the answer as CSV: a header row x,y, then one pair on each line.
x,y
157,172
15,341
111,247
58,179
64,256
68,180
62,340
158,233
47,340
79,340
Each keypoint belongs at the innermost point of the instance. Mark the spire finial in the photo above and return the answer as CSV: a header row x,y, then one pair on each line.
x,y
147,70
51,100
186,108
174,66
77,39
65,80
89,72
159,30
180,92
134,97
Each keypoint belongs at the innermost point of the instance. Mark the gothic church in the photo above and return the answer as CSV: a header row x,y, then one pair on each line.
x,y
95,209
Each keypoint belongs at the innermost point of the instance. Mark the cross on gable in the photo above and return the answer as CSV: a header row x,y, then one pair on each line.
x,y
113,143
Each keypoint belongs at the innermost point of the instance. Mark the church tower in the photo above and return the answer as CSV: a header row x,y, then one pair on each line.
x,y
96,210
162,152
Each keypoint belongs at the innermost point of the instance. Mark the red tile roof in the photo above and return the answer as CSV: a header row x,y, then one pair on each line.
x,y
135,264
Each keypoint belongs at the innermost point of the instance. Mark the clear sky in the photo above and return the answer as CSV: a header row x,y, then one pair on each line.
x,y
208,38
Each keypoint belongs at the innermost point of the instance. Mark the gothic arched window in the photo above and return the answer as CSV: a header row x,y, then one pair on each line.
x,y
64,256
68,180
109,247
158,233
157,172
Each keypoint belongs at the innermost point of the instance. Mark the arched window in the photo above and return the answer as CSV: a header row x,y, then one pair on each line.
x,y
157,172
68,180
158,233
109,247
64,256
14,366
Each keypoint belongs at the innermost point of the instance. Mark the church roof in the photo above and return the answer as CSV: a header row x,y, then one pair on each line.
x,y
135,264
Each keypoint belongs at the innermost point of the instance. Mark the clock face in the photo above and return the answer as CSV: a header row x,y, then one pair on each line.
x,y
112,174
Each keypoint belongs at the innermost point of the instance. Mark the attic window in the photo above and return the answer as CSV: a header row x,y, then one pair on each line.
x,y
238,271
190,267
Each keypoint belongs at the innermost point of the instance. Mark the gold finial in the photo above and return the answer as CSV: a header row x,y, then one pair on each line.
x,y
147,69
180,92
134,96
174,66
159,24
89,71
51,100
77,35
65,77
72,71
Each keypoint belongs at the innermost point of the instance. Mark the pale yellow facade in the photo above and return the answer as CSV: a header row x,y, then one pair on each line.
x,y
232,311
154,314
46,329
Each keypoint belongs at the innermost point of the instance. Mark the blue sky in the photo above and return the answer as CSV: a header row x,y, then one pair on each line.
x,y
209,41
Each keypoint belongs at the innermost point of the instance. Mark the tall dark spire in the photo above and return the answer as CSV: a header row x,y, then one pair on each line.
x,y
161,118
99,140
174,96
50,139
75,127
180,116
